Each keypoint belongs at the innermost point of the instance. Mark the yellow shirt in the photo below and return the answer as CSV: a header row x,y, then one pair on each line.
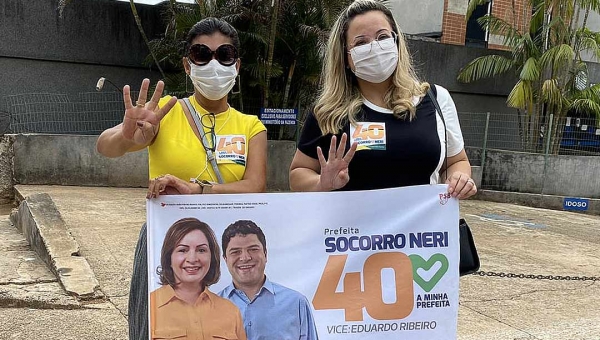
x,y
177,151
211,317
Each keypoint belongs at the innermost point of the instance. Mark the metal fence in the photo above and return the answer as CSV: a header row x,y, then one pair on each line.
x,y
93,112
565,135
531,165
90,114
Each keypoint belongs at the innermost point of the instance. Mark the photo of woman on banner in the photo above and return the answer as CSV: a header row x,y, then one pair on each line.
x,y
196,145
374,105
184,308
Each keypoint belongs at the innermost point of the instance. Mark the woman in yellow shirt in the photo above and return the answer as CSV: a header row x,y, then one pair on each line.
x,y
184,308
179,159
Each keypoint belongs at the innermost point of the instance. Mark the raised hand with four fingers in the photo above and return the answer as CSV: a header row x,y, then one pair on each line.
x,y
141,121
334,170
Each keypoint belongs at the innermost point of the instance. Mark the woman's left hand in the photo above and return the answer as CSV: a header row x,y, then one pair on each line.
x,y
170,185
461,185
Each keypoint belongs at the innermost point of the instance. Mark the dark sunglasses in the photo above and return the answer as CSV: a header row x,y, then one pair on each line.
x,y
200,54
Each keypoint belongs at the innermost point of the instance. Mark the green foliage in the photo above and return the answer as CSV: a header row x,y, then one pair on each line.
x,y
546,59
521,96
302,30
531,70
485,67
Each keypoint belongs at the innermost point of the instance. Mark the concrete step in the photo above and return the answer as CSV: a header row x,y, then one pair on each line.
x,y
25,280
44,228
34,303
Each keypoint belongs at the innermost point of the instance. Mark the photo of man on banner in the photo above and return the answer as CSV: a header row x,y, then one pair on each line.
x,y
269,310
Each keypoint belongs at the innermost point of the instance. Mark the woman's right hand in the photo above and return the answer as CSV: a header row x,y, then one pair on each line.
x,y
334,170
141,120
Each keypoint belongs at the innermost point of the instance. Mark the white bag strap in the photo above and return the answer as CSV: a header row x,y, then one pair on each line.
x,y
209,153
439,111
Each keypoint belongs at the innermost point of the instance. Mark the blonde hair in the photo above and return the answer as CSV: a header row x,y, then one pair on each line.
x,y
340,99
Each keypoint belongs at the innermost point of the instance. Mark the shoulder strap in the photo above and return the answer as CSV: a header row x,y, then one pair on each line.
x,y
439,111
209,153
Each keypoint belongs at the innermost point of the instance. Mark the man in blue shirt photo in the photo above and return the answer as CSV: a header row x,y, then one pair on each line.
x,y
269,310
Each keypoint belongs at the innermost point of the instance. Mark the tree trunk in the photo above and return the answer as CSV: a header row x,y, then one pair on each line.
x,y
138,22
514,16
272,36
585,18
286,93
574,23
288,83
520,121
546,37
557,133
533,133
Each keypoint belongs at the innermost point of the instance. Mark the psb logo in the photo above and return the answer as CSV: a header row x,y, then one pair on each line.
x,y
231,149
444,198
368,136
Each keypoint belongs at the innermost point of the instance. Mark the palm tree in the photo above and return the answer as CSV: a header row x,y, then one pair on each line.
x,y
304,38
547,60
283,46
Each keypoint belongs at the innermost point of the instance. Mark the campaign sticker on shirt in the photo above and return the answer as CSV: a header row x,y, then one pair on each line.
x,y
369,136
231,149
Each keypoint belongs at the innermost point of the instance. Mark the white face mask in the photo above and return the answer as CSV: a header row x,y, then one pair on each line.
x,y
213,80
376,61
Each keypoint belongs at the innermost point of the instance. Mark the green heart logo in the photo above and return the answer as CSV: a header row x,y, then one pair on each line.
x,y
419,262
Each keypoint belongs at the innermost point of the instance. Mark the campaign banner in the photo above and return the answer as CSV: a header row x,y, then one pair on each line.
x,y
277,116
374,264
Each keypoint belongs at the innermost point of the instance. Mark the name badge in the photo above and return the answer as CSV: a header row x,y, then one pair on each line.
x,y
231,149
369,136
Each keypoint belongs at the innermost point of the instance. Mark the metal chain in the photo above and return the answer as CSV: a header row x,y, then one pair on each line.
x,y
537,277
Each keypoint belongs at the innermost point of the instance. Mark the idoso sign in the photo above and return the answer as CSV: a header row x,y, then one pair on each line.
x,y
572,203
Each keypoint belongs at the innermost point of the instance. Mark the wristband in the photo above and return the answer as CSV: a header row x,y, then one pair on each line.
x,y
205,186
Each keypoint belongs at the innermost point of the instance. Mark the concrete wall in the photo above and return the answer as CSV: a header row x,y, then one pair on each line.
x,y
577,176
43,76
440,63
73,160
43,53
6,166
426,18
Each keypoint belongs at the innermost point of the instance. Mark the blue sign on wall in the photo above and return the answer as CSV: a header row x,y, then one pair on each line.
x,y
278,116
572,203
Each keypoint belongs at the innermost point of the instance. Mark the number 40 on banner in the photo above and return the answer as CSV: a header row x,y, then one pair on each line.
x,y
352,299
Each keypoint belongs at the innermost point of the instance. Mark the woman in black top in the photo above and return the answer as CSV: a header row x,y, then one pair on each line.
x,y
373,103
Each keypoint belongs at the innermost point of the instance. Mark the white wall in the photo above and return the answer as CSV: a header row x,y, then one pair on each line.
x,y
418,17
